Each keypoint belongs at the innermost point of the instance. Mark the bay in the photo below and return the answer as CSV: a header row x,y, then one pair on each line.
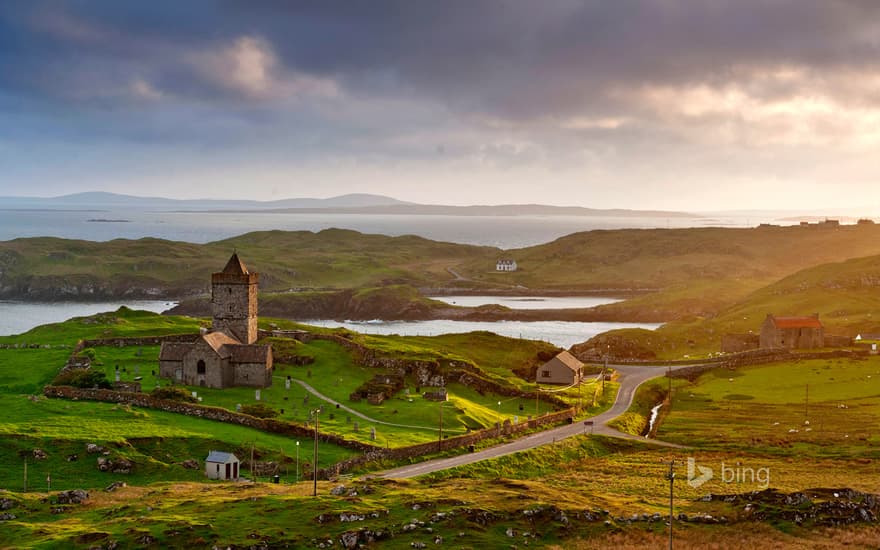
x,y
19,317
559,333
528,302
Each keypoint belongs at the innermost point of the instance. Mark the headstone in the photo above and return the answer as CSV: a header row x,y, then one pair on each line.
x,y
117,376
406,391
200,399
195,394
137,370
515,420
257,395
238,407
372,434
287,383
356,427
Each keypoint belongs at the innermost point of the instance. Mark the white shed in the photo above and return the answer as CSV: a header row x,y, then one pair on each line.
x,y
220,465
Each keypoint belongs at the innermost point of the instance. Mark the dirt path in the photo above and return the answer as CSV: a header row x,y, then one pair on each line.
x,y
342,406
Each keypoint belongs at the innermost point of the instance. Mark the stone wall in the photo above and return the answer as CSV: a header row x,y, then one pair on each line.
x,y
735,343
370,452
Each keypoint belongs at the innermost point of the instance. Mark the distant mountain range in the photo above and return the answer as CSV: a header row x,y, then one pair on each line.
x,y
358,203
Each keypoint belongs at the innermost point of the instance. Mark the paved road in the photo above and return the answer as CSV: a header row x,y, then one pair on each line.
x,y
631,377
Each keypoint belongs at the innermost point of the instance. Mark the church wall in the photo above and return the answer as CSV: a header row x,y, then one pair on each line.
x,y
255,375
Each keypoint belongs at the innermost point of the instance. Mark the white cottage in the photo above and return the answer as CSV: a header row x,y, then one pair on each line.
x,y
220,465
505,264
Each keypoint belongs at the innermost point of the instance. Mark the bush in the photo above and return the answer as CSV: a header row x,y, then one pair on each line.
x,y
174,394
82,378
259,410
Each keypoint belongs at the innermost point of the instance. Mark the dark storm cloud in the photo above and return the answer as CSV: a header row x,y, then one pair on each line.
x,y
514,59
612,91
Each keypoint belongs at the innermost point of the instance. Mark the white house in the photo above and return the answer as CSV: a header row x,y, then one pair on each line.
x,y
220,465
562,369
505,264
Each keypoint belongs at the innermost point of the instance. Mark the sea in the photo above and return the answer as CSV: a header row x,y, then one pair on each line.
x,y
506,232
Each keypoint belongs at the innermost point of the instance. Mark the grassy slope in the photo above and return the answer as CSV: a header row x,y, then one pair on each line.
x,y
700,270
845,294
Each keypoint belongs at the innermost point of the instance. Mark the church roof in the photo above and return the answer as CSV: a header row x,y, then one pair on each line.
x,y
174,351
219,342
235,266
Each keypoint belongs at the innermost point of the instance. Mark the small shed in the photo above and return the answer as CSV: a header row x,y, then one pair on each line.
x,y
220,465
565,368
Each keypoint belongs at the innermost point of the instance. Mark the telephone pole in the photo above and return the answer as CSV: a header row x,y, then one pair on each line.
x,y
671,477
315,460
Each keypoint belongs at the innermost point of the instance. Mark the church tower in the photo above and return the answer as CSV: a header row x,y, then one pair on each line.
x,y
234,301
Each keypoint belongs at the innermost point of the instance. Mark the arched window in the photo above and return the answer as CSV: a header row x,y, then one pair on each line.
x,y
200,367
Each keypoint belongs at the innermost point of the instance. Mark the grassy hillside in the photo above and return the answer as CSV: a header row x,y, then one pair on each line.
x,y
698,271
846,295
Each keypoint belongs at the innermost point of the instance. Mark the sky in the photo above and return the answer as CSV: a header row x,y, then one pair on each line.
x,y
682,105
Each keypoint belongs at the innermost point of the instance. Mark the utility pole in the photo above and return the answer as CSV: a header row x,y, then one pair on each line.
x,y
315,460
297,461
671,477
807,404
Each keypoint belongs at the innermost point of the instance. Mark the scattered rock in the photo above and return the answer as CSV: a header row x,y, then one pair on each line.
x,y
72,458
349,539
74,496
40,454
115,485
6,503
7,516
190,464
91,448
339,490
115,465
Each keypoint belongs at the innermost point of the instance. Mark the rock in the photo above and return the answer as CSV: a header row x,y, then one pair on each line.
x,y
6,503
511,532
438,540
417,544
115,485
40,454
72,458
190,464
7,516
339,490
74,496
349,539
91,448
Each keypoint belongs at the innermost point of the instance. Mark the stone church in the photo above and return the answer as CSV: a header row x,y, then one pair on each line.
x,y
227,355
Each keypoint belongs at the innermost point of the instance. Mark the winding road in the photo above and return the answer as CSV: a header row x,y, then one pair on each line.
x,y
631,377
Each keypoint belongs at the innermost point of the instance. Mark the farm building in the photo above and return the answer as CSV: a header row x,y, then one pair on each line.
x,y
505,264
792,332
227,355
562,369
220,465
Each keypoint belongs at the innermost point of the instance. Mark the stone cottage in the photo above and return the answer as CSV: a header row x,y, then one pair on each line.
x,y
792,332
227,355
565,369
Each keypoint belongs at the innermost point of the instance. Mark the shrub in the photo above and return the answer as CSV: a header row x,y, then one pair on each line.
x,y
259,410
82,378
173,393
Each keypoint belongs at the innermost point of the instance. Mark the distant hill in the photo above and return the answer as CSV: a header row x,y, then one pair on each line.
x,y
355,203
98,200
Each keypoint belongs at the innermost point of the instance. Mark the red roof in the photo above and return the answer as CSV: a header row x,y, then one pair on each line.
x,y
797,322
235,266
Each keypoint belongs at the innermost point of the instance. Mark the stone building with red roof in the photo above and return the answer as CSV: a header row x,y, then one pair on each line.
x,y
228,354
792,332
